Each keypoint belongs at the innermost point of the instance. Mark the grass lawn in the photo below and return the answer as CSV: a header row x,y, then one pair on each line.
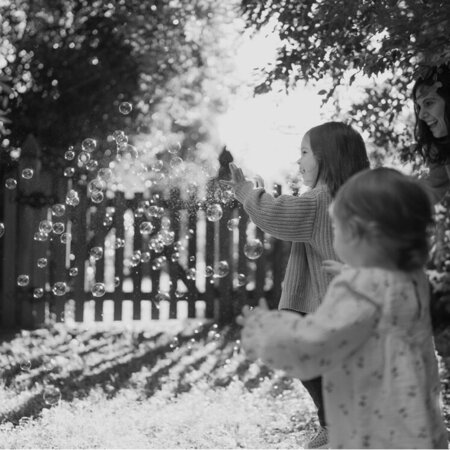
x,y
167,384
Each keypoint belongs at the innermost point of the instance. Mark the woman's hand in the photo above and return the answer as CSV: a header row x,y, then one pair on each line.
x,y
332,267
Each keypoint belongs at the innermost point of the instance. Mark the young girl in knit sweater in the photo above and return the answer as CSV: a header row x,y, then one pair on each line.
x,y
371,337
330,154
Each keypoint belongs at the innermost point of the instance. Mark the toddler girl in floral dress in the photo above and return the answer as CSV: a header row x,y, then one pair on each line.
x,y
371,338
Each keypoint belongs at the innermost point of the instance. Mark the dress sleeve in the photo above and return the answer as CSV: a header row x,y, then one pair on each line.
x,y
286,217
306,347
437,181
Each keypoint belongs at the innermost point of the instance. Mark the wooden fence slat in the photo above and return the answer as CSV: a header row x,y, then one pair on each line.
x,y
174,267
99,241
58,272
209,262
9,239
78,217
225,283
136,271
192,262
118,253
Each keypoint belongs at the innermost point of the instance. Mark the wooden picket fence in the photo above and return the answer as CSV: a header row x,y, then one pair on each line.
x,y
147,286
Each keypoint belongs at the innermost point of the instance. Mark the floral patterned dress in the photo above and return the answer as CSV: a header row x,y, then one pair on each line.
x,y
371,339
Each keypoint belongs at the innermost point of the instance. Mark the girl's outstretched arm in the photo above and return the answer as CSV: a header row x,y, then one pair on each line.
x,y
306,347
286,217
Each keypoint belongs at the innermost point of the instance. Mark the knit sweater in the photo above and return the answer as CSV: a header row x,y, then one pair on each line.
x,y
304,221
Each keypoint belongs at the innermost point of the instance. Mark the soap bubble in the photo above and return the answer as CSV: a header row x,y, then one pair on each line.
x,y
191,274
145,257
73,271
42,262
146,227
83,158
72,198
174,148
69,172
108,221
88,145
59,288
209,271
241,279
45,226
52,395
23,280
125,108
167,237
40,236
119,243
96,253
253,249
25,365
97,197
10,183
65,238
161,296
176,163
58,227
38,292
58,209
214,212
27,173
92,165
175,256
157,165
98,290
232,224
116,281
223,269
96,185
105,174
126,152
69,155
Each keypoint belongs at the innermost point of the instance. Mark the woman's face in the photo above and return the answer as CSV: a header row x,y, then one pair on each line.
x,y
308,164
431,108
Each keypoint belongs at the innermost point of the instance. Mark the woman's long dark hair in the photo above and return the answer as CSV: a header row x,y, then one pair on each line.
x,y
431,148
340,152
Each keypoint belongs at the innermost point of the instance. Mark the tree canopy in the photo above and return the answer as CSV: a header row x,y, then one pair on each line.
x,y
67,66
340,40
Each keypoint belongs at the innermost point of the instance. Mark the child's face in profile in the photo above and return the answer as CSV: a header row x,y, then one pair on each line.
x,y
308,164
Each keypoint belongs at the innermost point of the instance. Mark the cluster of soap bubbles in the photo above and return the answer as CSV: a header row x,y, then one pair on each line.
x,y
151,219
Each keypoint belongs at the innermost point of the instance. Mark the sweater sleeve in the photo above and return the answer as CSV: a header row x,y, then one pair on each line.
x,y
437,181
286,217
306,347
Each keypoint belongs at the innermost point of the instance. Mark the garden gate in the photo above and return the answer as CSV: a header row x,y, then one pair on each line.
x,y
98,262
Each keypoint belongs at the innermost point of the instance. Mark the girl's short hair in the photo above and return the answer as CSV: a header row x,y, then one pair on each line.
x,y
427,76
340,152
392,209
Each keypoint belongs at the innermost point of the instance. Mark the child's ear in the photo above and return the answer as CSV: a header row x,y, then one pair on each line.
x,y
353,231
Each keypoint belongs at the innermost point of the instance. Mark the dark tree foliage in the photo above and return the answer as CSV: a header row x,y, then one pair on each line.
x,y
330,38
71,63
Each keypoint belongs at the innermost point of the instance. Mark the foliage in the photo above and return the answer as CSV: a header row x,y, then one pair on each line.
x,y
325,39
70,65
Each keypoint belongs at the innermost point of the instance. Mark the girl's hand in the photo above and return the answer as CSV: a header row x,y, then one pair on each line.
x,y
238,178
332,267
247,311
